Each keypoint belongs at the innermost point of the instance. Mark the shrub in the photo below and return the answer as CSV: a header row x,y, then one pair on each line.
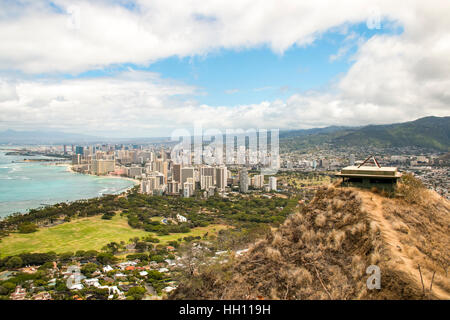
x,y
14,262
27,228
411,188
66,256
108,215
138,256
136,293
106,258
157,258
88,269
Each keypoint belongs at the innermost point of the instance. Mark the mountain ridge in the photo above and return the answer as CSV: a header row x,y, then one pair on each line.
x,y
428,132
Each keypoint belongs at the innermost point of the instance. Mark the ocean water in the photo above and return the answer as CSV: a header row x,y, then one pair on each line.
x,y
28,185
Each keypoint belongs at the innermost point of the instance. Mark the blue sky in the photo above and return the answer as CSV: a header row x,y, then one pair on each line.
x,y
249,76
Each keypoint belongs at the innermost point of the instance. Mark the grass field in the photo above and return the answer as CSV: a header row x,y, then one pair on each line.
x,y
84,234
199,231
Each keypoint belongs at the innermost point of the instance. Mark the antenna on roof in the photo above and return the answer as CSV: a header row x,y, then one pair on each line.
x,y
374,160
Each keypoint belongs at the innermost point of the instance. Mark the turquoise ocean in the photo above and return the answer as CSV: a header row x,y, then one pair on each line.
x,y
28,185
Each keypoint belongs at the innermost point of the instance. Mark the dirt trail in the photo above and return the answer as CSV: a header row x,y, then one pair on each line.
x,y
373,205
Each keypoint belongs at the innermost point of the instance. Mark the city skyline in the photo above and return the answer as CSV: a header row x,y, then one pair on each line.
x,y
155,70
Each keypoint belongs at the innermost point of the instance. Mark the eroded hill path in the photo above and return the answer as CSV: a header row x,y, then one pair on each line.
x,y
373,205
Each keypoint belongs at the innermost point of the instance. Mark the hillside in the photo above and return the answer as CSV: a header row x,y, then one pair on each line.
x,y
323,251
429,132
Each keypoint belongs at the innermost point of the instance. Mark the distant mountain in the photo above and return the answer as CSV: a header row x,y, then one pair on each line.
x,y
57,137
428,132
305,132
45,137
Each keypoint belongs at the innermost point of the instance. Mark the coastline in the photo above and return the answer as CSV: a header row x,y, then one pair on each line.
x,y
25,204
71,169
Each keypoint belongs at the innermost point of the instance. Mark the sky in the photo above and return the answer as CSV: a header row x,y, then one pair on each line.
x,y
124,68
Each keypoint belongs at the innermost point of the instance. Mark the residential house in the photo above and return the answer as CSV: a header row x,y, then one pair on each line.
x,y
19,293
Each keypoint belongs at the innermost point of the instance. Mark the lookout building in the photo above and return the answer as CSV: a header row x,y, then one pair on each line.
x,y
365,175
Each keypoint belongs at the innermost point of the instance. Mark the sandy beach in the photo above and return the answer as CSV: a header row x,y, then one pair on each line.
x,y
71,169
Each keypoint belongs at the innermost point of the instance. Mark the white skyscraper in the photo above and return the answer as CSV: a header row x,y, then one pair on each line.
x,y
206,182
273,183
221,178
243,180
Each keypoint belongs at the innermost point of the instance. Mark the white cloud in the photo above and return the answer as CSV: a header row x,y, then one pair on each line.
x,y
40,39
393,78
7,91
341,52
131,101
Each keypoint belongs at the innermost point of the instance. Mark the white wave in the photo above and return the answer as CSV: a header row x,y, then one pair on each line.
x,y
103,191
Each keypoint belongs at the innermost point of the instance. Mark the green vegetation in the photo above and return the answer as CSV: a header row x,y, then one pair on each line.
x,y
92,233
83,228
135,293
145,212
237,211
81,234
146,229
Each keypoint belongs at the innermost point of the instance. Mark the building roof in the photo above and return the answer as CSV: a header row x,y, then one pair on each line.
x,y
368,171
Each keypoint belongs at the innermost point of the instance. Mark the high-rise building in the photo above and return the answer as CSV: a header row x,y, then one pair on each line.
x,y
187,173
161,179
273,183
243,180
148,168
176,173
134,171
188,188
76,159
207,171
79,150
207,177
102,166
221,178
206,182
173,187
162,167
149,184
258,181
162,154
